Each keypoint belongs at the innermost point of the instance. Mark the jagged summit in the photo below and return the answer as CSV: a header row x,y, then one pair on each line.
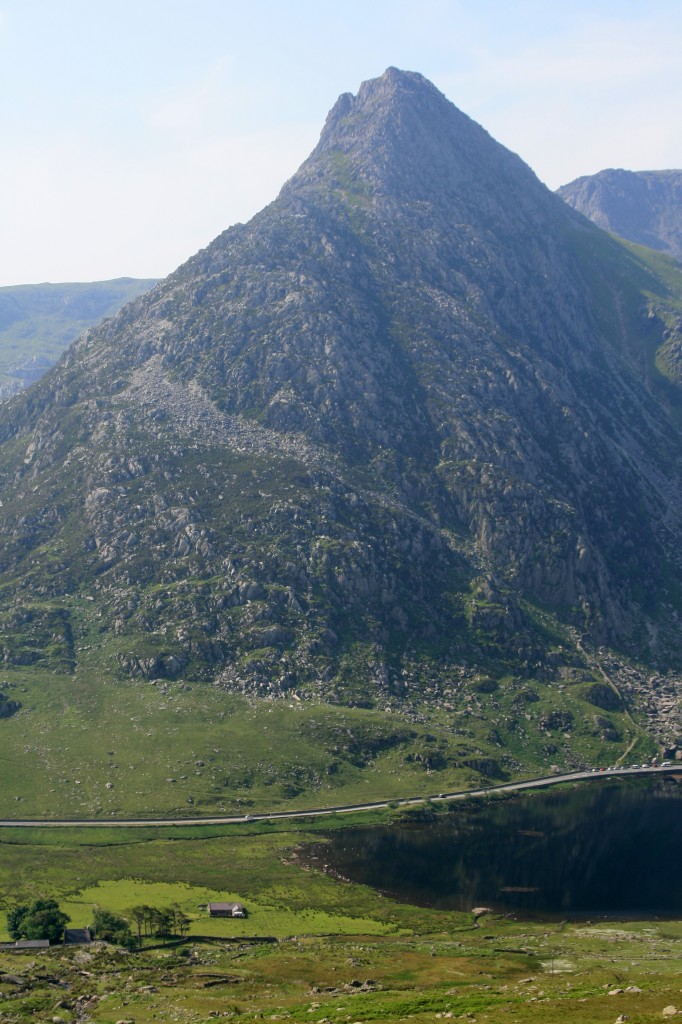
x,y
405,139
402,103
381,100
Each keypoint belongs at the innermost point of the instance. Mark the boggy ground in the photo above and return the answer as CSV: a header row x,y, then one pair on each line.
x,y
343,953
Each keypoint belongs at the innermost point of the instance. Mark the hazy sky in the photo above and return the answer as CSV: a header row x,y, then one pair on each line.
x,y
134,131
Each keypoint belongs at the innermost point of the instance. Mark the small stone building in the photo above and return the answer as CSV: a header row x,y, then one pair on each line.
x,y
226,910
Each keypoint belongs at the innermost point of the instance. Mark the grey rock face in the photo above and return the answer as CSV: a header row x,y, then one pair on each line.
x,y
642,206
370,437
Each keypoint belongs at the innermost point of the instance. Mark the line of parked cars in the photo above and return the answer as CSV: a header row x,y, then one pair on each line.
x,y
615,767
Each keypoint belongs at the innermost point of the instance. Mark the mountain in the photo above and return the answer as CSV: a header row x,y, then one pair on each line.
x,y
405,447
38,321
642,206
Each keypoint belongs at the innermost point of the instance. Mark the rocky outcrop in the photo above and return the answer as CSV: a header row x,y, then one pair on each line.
x,y
8,707
603,696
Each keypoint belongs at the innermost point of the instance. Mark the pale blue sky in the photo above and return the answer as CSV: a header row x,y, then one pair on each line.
x,y
134,131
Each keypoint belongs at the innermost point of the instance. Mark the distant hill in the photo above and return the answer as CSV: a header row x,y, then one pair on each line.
x,y
38,321
642,206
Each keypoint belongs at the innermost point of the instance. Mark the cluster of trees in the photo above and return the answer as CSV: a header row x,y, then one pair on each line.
x,y
43,919
112,928
153,922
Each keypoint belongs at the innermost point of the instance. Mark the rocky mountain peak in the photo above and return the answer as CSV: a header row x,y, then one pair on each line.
x,y
401,139
413,408
380,99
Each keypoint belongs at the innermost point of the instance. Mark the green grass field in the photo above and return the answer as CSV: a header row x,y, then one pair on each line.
x,y
89,746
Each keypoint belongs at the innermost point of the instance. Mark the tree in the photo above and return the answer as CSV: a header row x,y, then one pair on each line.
x,y
148,919
111,928
14,918
41,919
180,920
162,921
139,916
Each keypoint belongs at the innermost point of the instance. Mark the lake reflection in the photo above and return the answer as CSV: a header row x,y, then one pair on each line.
x,y
602,848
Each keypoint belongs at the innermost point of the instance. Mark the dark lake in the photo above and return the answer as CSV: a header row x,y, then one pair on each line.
x,y
603,848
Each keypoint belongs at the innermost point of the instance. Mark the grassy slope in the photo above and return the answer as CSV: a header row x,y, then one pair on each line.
x,y
77,735
645,279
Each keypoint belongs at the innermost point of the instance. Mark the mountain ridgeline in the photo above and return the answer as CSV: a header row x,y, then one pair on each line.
x,y
417,418
642,206
39,321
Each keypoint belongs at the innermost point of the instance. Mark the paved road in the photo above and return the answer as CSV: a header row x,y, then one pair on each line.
x,y
468,794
